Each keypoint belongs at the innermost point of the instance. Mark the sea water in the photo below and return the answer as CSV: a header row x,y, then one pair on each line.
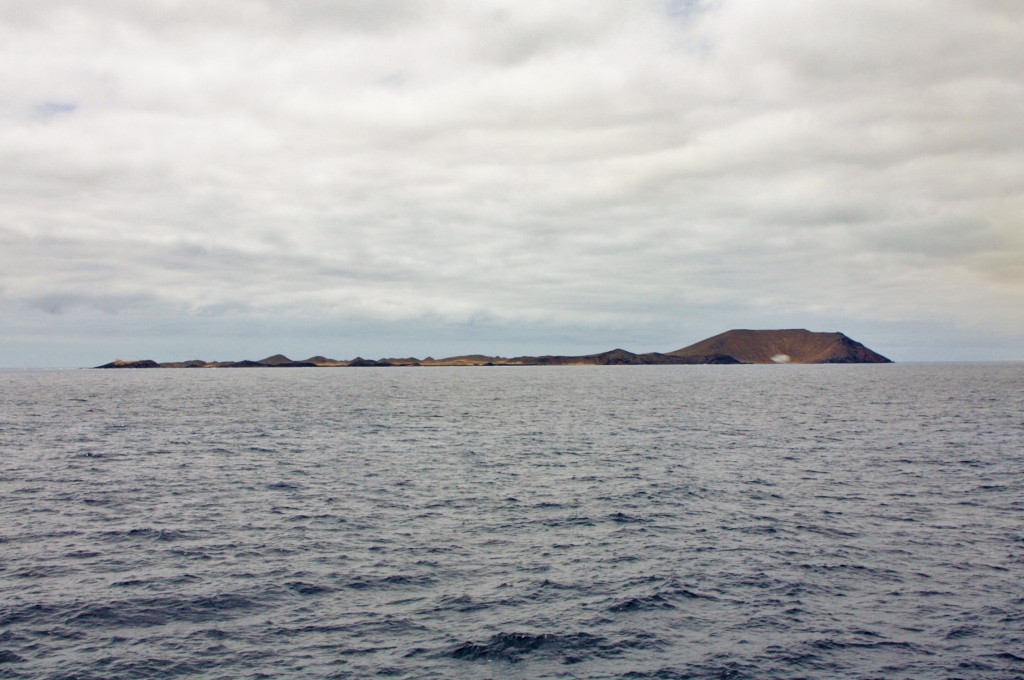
x,y
533,522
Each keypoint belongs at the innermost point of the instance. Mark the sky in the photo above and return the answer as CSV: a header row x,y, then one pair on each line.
x,y
228,180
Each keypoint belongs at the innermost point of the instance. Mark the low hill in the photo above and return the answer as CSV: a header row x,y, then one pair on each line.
x,y
131,363
797,346
275,360
621,357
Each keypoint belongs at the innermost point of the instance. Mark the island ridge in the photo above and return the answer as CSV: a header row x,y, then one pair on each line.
x,y
741,346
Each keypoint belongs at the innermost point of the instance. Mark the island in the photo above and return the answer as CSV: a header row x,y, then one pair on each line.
x,y
740,346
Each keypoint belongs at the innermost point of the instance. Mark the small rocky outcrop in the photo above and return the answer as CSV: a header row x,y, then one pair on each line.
x,y
360,362
191,363
244,363
131,363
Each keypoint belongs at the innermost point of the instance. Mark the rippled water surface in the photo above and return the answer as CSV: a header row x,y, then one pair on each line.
x,y
573,522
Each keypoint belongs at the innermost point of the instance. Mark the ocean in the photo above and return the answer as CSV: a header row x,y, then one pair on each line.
x,y
856,521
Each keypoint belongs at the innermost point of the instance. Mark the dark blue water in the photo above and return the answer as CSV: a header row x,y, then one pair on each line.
x,y
575,522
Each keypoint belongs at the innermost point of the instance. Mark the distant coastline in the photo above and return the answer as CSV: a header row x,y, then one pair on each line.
x,y
740,346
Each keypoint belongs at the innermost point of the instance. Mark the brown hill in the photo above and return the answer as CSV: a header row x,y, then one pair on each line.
x,y
275,360
797,346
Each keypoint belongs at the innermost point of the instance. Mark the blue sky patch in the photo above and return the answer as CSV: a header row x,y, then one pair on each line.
x,y
49,109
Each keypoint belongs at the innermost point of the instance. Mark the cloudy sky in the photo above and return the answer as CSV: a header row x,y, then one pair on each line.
x,y
225,180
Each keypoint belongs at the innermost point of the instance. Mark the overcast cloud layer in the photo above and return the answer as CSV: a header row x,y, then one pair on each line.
x,y
391,177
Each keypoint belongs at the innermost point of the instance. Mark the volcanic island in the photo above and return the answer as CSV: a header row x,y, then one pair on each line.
x,y
741,346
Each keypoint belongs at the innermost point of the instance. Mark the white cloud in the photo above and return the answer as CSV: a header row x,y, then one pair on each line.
x,y
599,166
